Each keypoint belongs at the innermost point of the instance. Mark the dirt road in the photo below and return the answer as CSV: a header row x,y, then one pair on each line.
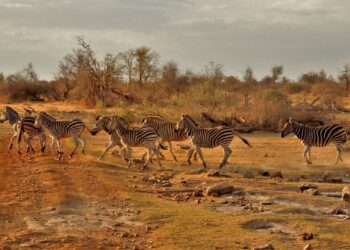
x,y
44,204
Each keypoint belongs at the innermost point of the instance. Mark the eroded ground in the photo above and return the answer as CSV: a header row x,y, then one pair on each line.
x,y
89,204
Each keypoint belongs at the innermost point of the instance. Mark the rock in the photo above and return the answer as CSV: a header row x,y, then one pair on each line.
x,y
307,247
264,247
345,194
265,173
214,173
311,191
337,211
197,193
219,189
307,186
248,174
277,174
307,236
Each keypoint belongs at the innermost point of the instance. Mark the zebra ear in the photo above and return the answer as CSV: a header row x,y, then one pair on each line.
x,y
290,120
98,118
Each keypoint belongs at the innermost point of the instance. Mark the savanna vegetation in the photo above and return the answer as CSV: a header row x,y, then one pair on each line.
x,y
136,79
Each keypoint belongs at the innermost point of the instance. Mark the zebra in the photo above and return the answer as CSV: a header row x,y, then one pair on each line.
x,y
20,125
316,136
101,123
208,138
62,129
166,130
145,137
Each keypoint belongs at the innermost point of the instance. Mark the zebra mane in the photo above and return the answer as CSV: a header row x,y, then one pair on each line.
x,y
9,109
191,120
47,115
154,117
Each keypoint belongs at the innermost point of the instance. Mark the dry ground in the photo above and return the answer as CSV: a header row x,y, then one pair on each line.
x,y
88,204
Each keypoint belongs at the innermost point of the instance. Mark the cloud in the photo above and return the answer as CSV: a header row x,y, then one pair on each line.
x,y
302,35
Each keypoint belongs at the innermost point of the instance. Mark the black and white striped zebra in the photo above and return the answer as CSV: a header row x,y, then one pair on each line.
x,y
208,138
166,130
316,136
62,129
145,137
102,123
23,125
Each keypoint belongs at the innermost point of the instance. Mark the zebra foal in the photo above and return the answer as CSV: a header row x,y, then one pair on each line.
x,y
208,138
62,129
23,125
316,136
145,137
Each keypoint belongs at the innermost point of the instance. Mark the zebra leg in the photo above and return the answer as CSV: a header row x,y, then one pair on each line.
x,y
29,143
339,152
149,154
157,150
171,150
195,156
227,154
82,141
199,151
130,156
109,147
76,144
42,139
306,153
59,152
189,155
12,138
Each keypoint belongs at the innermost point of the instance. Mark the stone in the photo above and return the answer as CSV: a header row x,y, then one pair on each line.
x,y
276,174
345,194
264,247
311,191
248,174
214,173
307,247
197,193
307,236
219,189
307,186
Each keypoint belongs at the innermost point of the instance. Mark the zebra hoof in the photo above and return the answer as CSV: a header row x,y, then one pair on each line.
x,y
42,150
19,152
189,162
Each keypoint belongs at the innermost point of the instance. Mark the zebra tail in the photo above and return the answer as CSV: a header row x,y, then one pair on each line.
x,y
243,139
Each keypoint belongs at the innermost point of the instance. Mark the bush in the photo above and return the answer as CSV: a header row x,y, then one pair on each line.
x,y
295,88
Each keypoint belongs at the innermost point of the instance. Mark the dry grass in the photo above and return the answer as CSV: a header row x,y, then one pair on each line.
x,y
212,224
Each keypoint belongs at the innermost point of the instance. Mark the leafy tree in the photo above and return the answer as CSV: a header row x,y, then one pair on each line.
x,y
146,64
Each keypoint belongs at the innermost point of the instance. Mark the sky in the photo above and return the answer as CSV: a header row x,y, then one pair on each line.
x,y
301,35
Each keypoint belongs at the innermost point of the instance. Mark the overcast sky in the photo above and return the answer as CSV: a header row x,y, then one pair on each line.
x,y
302,35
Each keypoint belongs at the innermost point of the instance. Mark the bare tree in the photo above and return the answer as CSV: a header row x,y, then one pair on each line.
x,y
128,60
276,72
146,65
344,76
27,74
100,73
214,74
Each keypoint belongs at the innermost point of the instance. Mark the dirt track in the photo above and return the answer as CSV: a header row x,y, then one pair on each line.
x,y
48,204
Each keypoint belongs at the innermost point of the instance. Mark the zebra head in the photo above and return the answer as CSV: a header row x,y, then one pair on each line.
x,y
186,123
38,119
9,114
101,123
288,128
3,116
